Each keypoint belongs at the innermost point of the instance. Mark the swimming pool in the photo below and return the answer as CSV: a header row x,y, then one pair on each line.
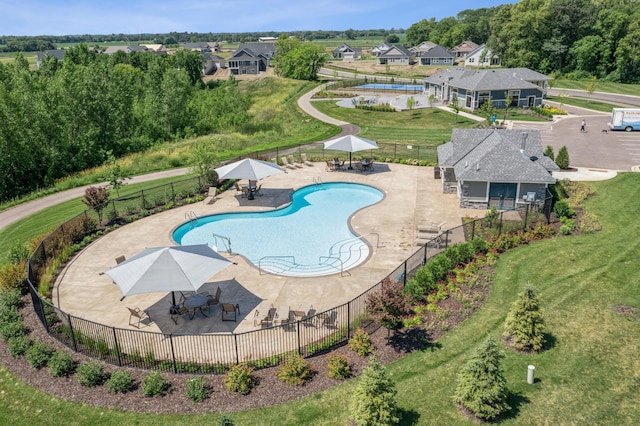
x,y
405,87
308,238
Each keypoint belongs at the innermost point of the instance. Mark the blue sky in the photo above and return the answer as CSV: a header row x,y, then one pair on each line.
x,y
60,17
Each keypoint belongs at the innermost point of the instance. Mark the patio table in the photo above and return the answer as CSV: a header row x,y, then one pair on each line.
x,y
196,303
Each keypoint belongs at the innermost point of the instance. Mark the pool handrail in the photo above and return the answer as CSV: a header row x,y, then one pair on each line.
x,y
223,238
273,257
335,258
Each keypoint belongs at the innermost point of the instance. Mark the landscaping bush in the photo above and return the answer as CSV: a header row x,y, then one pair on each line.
x,y
295,370
197,389
388,304
11,329
9,314
360,343
240,379
18,345
339,367
482,388
13,277
562,159
561,209
525,323
119,382
155,384
90,374
61,364
11,298
38,354
460,253
480,245
374,400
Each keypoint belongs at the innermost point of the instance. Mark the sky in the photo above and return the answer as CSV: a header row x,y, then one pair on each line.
x,y
71,17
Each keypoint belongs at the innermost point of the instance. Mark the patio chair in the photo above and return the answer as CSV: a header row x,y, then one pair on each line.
x,y
304,159
120,259
138,315
176,311
246,192
213,300
211,196
238,189
359,167
259,190
330,166
228,309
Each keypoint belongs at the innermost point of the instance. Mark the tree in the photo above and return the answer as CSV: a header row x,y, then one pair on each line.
x,y
300,61
549,152
411,103
591,86
392,38
482,388
96,198
374,400
562,160
191,62
525,323
202,157
456,108
114,174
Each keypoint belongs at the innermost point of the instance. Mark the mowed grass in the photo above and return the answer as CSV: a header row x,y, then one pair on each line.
x,y
601,86
583,103
590,374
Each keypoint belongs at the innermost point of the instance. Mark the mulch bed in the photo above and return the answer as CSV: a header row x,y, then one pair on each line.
x,y
269,390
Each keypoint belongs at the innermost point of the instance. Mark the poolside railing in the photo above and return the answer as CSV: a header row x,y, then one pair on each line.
x,y
214,353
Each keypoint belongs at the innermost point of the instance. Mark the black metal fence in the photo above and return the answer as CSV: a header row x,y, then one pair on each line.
x,y
214,353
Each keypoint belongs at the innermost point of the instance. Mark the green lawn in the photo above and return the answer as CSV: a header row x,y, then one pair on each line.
x,y
602,86
583,103
589,375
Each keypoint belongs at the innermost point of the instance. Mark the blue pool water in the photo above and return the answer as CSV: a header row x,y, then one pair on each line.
x,y
379,86
302,239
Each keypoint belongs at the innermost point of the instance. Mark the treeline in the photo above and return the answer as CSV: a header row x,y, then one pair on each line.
x,y
572,38
45,42
68,116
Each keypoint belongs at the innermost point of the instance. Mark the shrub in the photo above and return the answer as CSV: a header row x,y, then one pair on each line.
x,y
119,382
38,354
61,364
480,245
90,374
525,323
589,223
562,159
11,298
9,314
155,384
339,367
240,379
295,370
12,329
548,151
374,400
360,343
482,388
18,345
12,277
388,305
561,209
197,389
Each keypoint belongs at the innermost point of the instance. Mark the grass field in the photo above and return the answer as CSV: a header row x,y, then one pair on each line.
x,y
583,103
589,375
602,86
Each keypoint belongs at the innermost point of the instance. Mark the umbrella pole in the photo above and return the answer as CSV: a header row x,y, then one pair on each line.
x,y
350,167
173,298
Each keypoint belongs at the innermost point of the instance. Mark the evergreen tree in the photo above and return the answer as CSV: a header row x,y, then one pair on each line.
x,y
525,324
374,400
549,152
482,388
562,160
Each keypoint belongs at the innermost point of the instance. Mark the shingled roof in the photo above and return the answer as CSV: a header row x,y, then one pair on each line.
x,y
491,155
491,79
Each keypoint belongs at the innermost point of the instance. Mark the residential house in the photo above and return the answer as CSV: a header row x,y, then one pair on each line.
x,y
463,49
471,88
211,63
159,48
482,57
380,49
346,52
110,50
203,46
435,55
251,58
492,167
396,55
267,39
56,53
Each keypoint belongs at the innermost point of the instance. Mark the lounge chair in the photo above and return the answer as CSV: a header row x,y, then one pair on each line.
x,y
266,321
285,162
304,159
211,196
294,162
138,315
120,259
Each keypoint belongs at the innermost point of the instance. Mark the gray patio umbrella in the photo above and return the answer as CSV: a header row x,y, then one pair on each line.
x,y
248,169
179,268
350,144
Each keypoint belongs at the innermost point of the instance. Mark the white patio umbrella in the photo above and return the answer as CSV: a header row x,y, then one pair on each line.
x,y
179,268
350,144
248,169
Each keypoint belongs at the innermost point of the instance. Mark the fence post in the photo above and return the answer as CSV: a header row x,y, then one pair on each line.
x,y
348,320
73,334
526,218
143,204
473,229
500,224
173,354
424,256
235,342
115,339
173,194
299,345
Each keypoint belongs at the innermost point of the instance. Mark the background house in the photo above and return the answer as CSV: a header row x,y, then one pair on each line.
x,y
346,52
396,55
203,46
435,55
251,58
489,167
380,49
482,57
462,50
471,88
56,53
211,63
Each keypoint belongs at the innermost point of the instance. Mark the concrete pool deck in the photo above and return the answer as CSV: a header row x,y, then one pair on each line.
x,y
412,197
